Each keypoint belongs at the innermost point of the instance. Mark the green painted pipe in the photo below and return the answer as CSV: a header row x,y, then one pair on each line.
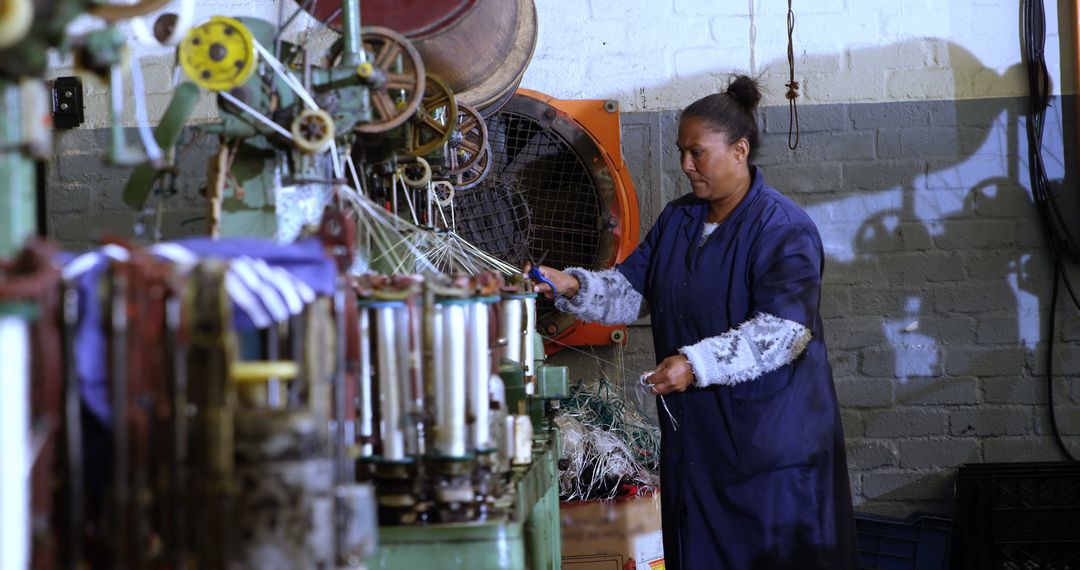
x,y
18,175
183,102
350,31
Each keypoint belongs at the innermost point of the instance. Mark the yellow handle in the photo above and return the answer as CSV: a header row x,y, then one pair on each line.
x,y
264,370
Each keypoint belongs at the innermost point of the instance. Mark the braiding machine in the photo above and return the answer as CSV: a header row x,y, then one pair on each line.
x,y
358,386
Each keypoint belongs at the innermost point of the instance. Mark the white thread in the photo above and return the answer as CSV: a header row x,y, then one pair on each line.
x,y
258,116
285,75
142,120
652,389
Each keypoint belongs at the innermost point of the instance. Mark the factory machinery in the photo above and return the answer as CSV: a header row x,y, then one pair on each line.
x,y
419,403
340,380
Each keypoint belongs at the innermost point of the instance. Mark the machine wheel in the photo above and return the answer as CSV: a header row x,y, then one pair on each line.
x,y
218,55
394,101
313,131
468,148
476,173
427,132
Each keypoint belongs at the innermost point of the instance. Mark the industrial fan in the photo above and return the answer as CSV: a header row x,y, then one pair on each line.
x,y
559,193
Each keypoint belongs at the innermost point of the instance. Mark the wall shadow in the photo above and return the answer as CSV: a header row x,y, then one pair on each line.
x,y
937,281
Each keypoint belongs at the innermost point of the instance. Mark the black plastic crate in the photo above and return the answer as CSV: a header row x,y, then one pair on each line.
x,y
920,542
1018,516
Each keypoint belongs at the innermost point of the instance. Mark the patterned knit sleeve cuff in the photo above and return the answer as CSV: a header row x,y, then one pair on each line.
x,y
760,345
603,296
725,359
580,301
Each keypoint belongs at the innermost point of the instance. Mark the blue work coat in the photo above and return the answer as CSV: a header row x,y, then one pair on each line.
x,y
752,476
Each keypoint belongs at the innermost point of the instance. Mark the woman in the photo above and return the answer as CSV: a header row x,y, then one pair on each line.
x,y
753,473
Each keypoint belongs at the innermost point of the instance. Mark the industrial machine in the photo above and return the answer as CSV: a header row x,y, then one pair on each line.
x,y
457,437
340,359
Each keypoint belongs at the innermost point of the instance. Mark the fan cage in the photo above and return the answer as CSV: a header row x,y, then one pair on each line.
x,y
544,200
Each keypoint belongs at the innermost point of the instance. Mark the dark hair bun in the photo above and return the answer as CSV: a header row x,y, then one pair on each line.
x,y
745,91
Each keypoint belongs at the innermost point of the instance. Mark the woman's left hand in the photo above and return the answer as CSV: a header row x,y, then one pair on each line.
x,y
674,374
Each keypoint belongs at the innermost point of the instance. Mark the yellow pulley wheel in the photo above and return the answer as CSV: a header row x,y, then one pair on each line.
x,y
313,131
219,55
15,19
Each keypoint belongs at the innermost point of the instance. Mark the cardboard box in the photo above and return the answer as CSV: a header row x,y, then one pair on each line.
x,y
612,535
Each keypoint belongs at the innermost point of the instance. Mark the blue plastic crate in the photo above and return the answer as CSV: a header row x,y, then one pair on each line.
x,y
920,542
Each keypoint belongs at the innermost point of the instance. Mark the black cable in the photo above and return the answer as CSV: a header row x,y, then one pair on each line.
x,y
1055,230
1050,371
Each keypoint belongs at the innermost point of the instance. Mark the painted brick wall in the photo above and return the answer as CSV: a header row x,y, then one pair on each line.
x,y
84,196
937,284
664,54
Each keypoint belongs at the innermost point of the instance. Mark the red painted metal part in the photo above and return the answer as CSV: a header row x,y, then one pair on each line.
x,y
413,18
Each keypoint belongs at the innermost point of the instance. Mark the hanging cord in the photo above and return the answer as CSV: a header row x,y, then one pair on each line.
x,y
792,85
1055,231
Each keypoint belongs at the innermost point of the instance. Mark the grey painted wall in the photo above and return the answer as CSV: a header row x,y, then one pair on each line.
x,y
937,284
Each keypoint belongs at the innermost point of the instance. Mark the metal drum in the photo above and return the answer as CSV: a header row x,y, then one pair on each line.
x,y
479,47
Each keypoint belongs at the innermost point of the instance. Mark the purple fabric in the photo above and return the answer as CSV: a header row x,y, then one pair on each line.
x,y
305,260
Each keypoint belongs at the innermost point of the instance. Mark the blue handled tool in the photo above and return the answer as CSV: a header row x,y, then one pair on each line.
x,y
535,275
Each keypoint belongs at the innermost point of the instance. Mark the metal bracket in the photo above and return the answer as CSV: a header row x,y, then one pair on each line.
x,y
67,96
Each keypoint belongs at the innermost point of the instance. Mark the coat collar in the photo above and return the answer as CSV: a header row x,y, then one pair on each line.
x,y
697,210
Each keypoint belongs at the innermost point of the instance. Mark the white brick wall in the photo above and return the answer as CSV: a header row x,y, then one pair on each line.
x,y
848,51
663,54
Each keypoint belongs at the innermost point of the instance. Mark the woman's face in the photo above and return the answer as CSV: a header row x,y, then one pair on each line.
x,y
714,167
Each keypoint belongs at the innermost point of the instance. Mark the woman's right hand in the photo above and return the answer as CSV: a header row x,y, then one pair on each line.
x,y
565,284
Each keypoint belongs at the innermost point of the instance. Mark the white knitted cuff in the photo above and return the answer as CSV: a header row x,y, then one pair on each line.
x,y
603,296
760,345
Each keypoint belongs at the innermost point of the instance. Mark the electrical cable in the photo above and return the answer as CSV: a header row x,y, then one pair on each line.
x,y
1055,230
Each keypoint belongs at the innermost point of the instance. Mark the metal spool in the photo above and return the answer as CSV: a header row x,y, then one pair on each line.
x,y
480,47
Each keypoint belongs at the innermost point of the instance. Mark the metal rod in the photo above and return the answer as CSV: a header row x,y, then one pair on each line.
x,y
405,380
342,472
350,32
15,444
18,204
366,412
512,325
528,339
179,458
479,368
73,431
297,332
450,344
393,440
273,354
122,527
